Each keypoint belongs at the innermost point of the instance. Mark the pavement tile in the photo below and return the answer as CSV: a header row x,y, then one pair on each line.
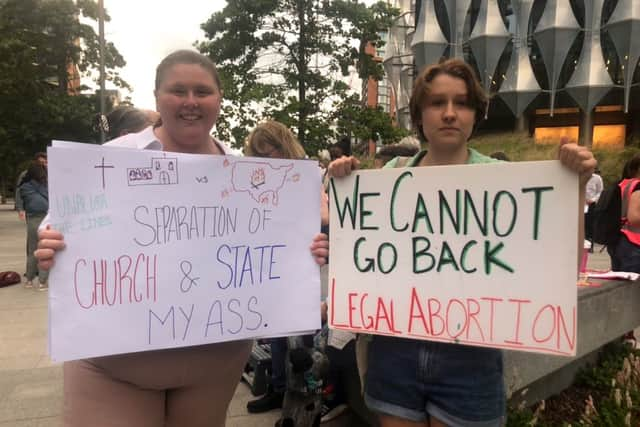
x,y
34,422
19,362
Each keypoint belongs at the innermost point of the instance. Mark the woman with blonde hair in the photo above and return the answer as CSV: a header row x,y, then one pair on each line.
x,y
274,140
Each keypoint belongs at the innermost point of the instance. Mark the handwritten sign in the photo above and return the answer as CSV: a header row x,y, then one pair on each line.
x,y
481,255
170,250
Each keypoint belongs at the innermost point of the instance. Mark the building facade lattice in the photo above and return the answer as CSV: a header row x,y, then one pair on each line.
x,y
543,54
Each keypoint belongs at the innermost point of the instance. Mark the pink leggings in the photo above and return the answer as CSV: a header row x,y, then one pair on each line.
x,y
186,387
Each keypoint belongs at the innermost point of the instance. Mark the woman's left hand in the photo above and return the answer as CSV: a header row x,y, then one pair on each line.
x,y
577,158
320,248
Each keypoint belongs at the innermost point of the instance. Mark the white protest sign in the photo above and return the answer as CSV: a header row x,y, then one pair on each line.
x,y
481,255
170,250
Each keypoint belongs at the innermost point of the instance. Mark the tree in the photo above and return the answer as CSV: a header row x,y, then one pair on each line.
x,y
42,43
283,59
366,123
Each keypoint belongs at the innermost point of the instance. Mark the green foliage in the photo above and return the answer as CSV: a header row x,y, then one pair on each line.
x,y
519,418
612,390
282,59
40,43
598,377
611,162
520,147
366,123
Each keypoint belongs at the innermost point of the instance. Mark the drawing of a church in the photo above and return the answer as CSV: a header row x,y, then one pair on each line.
x,y
163,171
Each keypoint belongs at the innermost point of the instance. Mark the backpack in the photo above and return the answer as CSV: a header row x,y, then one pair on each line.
x,y
608,215
9,278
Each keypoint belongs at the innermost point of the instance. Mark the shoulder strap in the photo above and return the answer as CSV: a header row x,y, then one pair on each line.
x,y
626,188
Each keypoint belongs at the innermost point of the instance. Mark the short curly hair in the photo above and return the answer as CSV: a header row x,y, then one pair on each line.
x,y
476,96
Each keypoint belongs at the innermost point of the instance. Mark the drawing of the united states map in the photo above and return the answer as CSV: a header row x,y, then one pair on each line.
x,y
260,179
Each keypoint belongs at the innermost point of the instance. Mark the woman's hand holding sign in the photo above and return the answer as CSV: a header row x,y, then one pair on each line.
x,y
50,241
577,158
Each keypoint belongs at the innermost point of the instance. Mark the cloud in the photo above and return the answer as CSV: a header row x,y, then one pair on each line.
x,y
146,31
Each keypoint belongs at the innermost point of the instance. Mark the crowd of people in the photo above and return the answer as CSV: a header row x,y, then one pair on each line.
x,y
193,386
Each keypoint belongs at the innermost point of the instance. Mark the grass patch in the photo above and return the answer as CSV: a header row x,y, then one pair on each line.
x,y
520,147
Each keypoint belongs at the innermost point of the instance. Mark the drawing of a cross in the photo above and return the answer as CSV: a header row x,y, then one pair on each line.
x,y
103,167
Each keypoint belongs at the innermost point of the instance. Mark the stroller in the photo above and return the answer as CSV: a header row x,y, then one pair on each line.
x,y
307,366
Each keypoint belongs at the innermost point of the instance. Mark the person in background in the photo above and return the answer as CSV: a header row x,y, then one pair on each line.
x,y
180,387
627,250
273,140
630,170
467,387
593,190
39,157
389,152
126,119
625,255
35,199
340,148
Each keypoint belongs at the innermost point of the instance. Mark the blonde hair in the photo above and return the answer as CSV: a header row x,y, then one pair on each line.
x,y
272,135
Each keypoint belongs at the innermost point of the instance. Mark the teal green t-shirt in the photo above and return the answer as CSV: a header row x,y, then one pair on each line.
x,y
474,158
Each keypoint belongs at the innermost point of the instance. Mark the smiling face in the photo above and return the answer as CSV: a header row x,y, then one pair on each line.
x,y
188,100
447,119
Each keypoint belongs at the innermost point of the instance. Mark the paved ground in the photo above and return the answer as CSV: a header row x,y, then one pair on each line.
x,y
30,385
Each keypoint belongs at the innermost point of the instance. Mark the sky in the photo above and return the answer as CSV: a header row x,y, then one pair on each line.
x,y
145,31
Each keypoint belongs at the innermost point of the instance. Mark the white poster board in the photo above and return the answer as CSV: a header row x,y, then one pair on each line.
x,y
481,255
170,250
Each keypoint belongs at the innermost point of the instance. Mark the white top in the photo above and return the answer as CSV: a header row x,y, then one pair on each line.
x,y
593,189
146,140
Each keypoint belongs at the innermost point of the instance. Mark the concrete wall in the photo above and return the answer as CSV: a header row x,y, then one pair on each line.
x,y
604,314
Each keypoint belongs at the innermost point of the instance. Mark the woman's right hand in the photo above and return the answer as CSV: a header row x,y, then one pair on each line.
x,y
343,166
49,242
320,248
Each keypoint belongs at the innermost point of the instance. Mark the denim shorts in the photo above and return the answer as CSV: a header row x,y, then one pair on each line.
x,y
457,384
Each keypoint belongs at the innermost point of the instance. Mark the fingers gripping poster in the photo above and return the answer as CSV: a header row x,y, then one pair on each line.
x,y
170,250
480,255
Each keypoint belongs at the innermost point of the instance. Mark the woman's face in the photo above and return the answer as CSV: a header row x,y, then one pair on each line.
x,y
188,101
447,119
271,152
